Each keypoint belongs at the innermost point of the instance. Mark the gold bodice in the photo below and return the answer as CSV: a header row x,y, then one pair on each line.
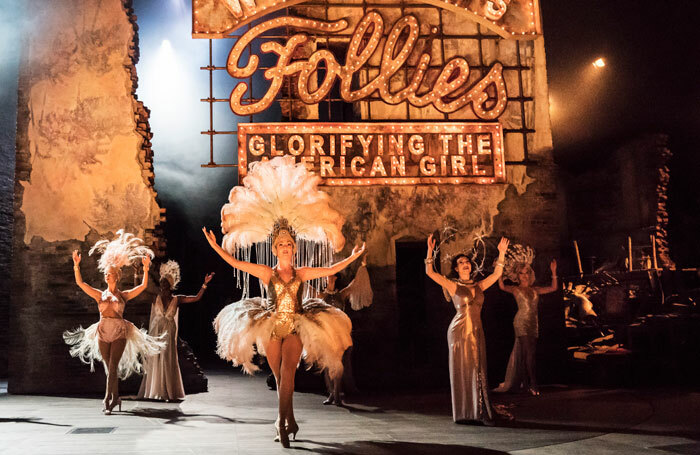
x,y
285,297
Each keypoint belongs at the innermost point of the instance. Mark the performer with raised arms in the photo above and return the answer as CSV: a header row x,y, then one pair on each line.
x,y
278,205
113,340
465,336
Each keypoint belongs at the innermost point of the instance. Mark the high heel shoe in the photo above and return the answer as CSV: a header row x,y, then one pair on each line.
x,y
282,435
105,407
533,391
115,403
293,429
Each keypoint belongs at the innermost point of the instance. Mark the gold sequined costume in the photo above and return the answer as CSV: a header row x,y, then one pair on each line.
x,y
245,327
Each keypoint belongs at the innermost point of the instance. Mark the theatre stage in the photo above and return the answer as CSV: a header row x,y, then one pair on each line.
x,y
237,415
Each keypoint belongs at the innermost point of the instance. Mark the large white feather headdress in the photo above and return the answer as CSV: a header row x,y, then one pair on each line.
x,y
124,250
274,190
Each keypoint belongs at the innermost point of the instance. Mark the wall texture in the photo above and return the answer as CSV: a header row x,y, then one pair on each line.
x,y
83,171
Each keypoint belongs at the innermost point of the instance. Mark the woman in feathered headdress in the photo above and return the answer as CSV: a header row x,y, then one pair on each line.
x,y
521,365
279,202
162,379
465,336
113,340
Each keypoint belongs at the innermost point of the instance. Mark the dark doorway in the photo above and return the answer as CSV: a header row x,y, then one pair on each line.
x,y
423,318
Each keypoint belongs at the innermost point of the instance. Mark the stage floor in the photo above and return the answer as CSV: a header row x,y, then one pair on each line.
x,y
237,415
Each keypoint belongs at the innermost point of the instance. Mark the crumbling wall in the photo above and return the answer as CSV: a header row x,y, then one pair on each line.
x,y
83,171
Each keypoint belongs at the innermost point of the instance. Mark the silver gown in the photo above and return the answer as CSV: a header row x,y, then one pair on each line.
x,y
162,379
467,347
525,324
525,321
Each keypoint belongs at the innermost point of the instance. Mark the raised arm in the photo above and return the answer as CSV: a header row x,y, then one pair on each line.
x,y
498,269
449,285
502,285
89,290
195,298
133,293
555,284
259,271
311,273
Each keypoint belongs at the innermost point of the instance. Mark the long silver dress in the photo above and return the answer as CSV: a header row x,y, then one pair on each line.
x,y
162,379
525,324
467,347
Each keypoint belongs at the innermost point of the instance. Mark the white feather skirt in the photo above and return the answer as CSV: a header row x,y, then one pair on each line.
x,y
246,326
139,344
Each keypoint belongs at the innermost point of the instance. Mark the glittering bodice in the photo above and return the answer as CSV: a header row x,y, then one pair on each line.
x,y
286,297
111,305
527,300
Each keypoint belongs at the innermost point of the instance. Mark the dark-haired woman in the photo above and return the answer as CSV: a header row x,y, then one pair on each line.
x,y
465,336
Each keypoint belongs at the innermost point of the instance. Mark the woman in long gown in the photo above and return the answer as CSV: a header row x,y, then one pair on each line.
x,y
162,379
114,341
521,365
465,336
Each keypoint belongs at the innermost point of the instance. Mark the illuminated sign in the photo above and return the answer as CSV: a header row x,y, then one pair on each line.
x,y
508,18
381,153
373,65
449,93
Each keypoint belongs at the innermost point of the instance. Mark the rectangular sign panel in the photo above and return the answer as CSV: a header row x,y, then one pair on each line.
x,y
381,153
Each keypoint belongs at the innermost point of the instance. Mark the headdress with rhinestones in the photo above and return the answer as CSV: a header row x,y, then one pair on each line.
x,y
279,195
517,257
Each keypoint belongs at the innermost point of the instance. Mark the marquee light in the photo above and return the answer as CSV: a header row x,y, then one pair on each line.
x,y
448,93
515,19
348,154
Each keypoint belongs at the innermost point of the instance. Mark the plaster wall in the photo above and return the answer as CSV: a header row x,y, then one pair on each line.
x,y
83,171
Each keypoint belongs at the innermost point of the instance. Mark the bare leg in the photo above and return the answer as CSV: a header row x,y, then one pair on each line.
x,y
291,352
330,387
105,353
113,368
273,352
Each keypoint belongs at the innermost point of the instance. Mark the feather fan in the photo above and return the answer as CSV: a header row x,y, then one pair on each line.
x,y
274,189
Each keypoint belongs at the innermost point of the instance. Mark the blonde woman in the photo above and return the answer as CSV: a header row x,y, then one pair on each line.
x,y
114,341
279,204
284,326
521,365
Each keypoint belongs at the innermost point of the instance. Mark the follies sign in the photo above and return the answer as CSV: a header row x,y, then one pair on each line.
x,y
325,57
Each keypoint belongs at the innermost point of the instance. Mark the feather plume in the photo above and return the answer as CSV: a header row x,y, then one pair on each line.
x,y
274,189
359,291
171,272
123,250
517,256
